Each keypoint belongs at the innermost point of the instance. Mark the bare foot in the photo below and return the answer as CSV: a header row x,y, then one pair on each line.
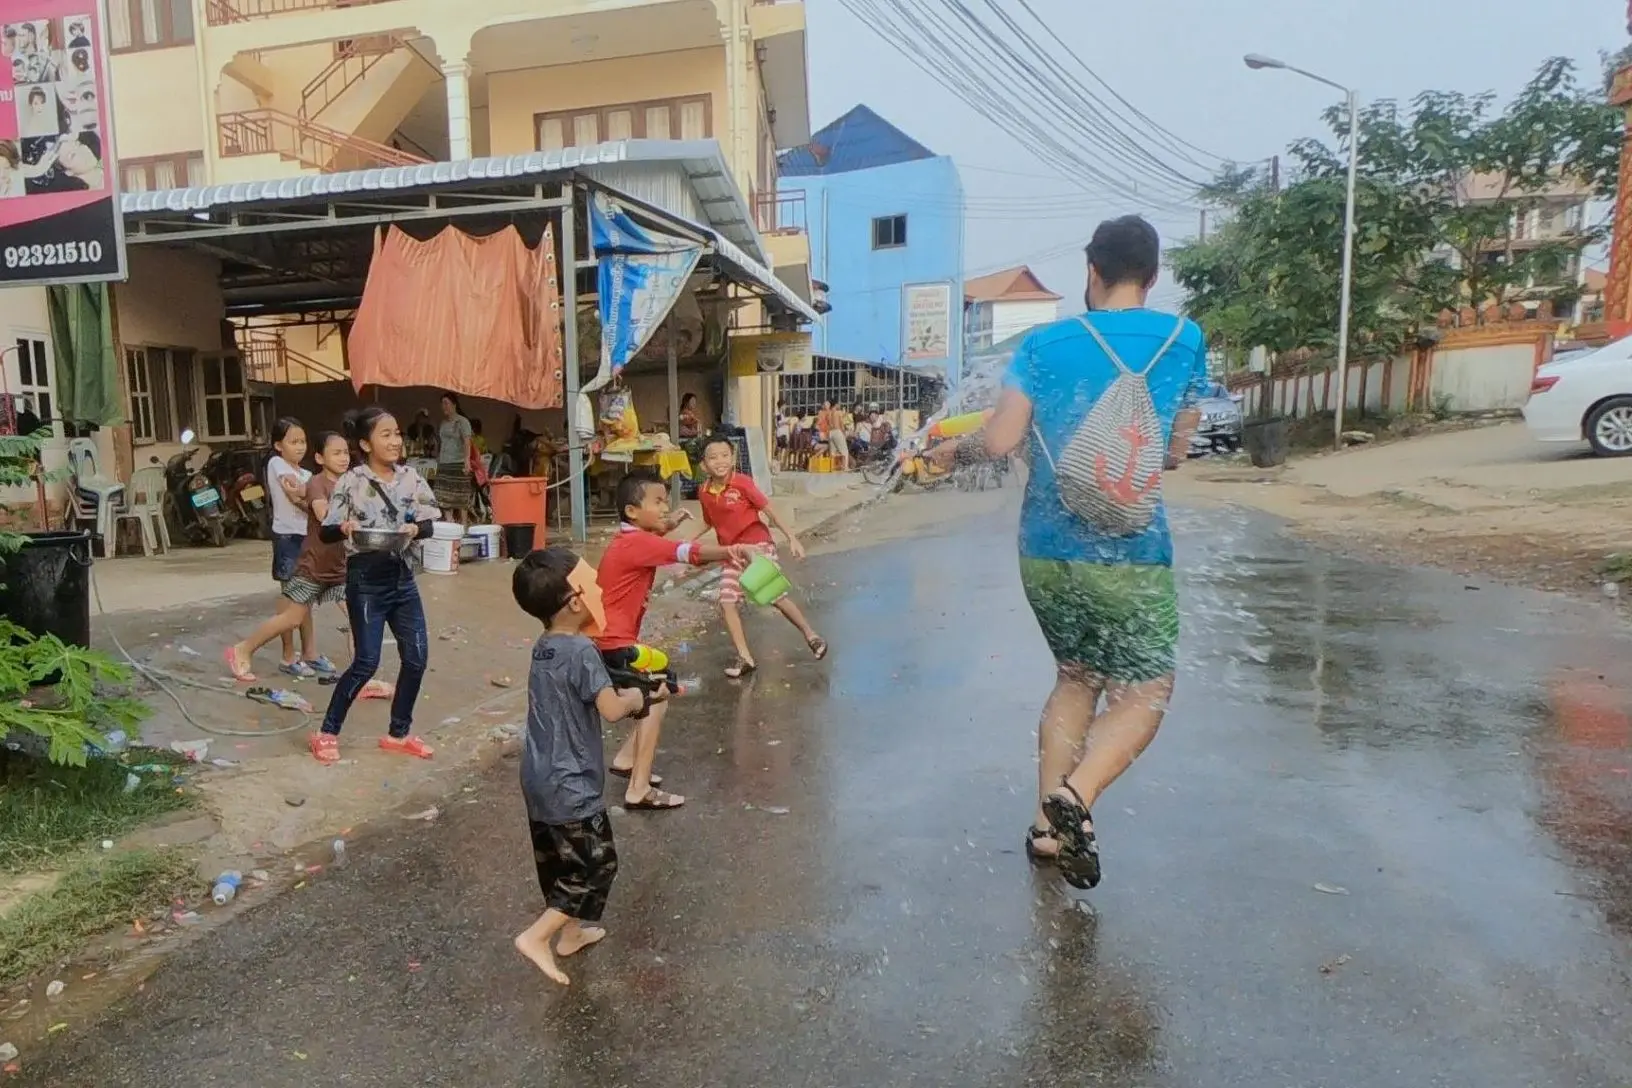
x,y
576,938
539,952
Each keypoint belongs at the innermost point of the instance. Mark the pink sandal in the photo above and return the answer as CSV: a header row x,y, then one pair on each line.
x,y
239,670
408,746
325,747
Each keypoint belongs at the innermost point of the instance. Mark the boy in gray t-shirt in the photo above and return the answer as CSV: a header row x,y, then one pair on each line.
x,y
563,763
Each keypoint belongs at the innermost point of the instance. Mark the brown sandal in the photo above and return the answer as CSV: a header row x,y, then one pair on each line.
x,y
655,800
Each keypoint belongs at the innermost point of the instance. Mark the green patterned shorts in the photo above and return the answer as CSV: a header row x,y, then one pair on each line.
x,y
1120,621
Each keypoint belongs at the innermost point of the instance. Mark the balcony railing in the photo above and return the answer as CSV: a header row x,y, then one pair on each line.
x,y
318,147
780,212
224,12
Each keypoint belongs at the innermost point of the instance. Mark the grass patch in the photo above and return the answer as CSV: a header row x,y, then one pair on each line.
x,y
1617,567
96,894
48,811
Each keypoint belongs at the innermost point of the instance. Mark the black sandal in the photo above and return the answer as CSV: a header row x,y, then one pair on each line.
x,y
1079,847
739,668
1034,836
624,772
818,646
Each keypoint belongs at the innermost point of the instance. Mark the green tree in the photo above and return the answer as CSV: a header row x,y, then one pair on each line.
x,y
1270,274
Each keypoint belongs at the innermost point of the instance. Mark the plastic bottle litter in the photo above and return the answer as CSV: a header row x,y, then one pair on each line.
x,y
339,853
55,988
115,741
226,887
132,782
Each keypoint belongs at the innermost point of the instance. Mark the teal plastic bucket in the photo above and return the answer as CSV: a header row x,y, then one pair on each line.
x,y
763,581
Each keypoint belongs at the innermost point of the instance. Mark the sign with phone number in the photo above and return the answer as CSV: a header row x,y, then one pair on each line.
x,y
53,254
59,192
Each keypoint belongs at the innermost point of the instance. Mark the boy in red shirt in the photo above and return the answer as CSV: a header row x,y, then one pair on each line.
x,y
626,573
732,504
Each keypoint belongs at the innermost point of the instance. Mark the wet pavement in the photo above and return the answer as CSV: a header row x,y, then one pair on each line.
x,y
1384,839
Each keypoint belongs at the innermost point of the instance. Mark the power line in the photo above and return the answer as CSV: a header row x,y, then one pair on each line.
x,y
1138,113
1071,110
972,84
1064,87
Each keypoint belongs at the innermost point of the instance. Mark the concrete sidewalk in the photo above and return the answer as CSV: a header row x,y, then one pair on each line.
x,y
192,575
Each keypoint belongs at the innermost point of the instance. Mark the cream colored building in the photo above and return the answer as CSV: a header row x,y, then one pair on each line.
x,y
223,91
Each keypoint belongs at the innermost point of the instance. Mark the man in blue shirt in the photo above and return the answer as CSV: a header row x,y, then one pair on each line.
x,y
1103,596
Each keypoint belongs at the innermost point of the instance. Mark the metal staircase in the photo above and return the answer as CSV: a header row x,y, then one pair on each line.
x,y
299,139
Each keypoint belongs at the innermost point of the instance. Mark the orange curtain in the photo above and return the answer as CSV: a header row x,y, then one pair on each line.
x,y
478,316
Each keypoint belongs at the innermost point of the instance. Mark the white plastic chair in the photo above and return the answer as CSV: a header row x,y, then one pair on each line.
x,y
144,504
93,498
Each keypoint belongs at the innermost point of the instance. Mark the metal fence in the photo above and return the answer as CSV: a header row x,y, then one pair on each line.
x,y
848,384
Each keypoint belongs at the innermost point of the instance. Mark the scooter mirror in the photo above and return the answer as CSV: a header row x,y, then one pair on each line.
x,y
187,437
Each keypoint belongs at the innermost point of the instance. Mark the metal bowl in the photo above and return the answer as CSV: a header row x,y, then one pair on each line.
x,y
380,540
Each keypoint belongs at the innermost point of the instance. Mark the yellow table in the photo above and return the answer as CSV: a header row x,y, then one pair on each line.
x,y
667,462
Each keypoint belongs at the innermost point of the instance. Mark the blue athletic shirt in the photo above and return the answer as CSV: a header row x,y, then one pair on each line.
x,y
1063,372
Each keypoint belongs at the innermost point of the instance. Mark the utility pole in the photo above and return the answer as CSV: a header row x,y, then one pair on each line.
x,y
1274,173
1204,224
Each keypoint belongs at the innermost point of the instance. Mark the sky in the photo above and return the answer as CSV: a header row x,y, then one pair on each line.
x,y
1179,62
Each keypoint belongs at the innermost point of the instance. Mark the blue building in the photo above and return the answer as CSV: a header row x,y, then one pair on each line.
x,y
885,218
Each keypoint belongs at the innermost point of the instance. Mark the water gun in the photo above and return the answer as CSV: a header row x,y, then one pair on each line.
x,y
960,425
643,668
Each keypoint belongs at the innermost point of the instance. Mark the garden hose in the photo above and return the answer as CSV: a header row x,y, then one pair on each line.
x,y
158,677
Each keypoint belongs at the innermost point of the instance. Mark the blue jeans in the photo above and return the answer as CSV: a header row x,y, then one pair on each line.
x,y
380,592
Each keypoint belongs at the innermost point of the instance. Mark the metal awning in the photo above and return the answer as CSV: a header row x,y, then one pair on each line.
x,y
306,240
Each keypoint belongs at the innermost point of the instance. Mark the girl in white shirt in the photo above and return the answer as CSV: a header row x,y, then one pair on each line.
x,y
286,490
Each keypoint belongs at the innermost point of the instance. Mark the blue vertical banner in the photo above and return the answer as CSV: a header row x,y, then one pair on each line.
x,y
642,272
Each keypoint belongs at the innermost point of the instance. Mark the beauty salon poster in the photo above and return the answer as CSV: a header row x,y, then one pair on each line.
x,y
59,204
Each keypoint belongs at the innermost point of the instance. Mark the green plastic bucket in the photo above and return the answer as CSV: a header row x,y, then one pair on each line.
x,y
763,581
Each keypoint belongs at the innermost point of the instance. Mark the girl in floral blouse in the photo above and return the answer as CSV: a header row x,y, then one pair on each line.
x,y
379,494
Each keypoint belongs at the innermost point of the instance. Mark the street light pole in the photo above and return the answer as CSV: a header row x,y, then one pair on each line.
x,y
1348,274
1259,61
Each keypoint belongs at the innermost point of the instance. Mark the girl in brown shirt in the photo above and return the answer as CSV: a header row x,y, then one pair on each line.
x,y
320,570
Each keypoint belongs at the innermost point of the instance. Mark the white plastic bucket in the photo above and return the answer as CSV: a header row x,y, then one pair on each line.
x,y
440,555
447,530
488,537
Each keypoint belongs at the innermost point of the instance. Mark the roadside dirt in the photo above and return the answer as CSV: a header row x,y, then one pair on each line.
x,y
1486,501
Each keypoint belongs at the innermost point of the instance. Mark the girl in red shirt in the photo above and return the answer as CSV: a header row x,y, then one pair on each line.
x,y
732,506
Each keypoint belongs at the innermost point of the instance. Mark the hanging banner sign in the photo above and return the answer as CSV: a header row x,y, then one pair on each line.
x,y
771,353
59,193
926,320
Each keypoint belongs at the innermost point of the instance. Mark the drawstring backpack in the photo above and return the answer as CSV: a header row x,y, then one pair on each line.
x,y
1110,472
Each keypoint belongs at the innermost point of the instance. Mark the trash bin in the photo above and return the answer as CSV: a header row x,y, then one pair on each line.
x,y
47,586
518,540
519,500
1265,441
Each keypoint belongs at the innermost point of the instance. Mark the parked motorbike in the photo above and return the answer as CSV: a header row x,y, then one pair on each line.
x,y
246,509
193,503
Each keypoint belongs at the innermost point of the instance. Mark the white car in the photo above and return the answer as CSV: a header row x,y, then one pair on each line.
x,y
1585,395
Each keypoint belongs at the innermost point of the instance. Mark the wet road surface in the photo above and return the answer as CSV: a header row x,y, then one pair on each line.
x,y
1447,761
